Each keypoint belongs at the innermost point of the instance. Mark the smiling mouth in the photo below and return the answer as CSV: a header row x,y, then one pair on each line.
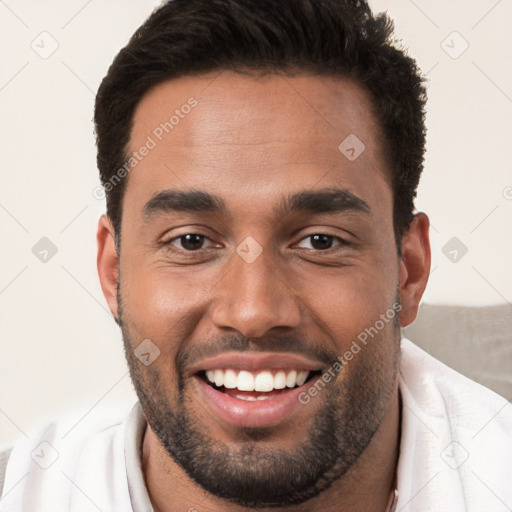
x,y
256,385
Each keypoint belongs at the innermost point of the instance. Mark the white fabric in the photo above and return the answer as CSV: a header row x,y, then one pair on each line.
x,y
456,447
89,473
134,432
455,454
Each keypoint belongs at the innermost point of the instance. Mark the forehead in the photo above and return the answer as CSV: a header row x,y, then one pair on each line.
x,y
228,130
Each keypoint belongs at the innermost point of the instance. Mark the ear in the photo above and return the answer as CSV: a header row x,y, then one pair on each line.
x,y
414,267
108,263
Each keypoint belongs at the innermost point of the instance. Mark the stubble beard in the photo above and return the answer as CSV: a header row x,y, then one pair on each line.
x,y
249,473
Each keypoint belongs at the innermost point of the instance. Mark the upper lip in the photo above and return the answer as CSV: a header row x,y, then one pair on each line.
x,y
256,361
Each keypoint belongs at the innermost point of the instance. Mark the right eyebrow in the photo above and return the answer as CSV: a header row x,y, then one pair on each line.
x,y
182,201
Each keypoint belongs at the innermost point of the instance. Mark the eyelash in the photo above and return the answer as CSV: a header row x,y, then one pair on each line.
x,y
341,242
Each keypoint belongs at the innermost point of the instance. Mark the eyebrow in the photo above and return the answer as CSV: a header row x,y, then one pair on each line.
x,y
182,201
332,200
198,201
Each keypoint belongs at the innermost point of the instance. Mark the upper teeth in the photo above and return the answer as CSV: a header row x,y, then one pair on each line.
x,y
263,381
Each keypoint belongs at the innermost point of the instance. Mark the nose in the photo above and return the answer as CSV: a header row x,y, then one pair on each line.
x,y
254,297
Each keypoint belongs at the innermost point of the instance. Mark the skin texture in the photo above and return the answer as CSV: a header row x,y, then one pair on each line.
x,y
252,141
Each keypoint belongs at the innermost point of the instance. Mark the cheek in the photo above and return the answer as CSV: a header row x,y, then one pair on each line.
x,y
162,304
361,321
346,301
157,310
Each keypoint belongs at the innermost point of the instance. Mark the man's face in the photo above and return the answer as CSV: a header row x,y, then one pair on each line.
x,y
252,244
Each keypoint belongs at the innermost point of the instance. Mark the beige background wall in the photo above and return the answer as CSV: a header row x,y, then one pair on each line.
x,y
59,347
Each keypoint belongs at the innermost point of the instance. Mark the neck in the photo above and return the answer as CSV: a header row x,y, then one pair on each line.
x,y
364,488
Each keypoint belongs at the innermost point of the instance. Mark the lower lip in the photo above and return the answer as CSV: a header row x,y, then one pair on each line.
x,y
255,414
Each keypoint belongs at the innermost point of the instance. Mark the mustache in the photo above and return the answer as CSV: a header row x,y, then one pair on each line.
x,y
194,352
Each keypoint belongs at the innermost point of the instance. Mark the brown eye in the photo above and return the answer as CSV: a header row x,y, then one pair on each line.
x,y
189,242
320,242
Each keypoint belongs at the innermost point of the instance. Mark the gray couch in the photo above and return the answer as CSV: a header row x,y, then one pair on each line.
x,y
475,341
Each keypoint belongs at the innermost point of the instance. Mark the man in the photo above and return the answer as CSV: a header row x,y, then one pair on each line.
x,y
260,253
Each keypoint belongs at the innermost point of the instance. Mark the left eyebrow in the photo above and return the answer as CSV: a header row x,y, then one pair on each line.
x,y
324,201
